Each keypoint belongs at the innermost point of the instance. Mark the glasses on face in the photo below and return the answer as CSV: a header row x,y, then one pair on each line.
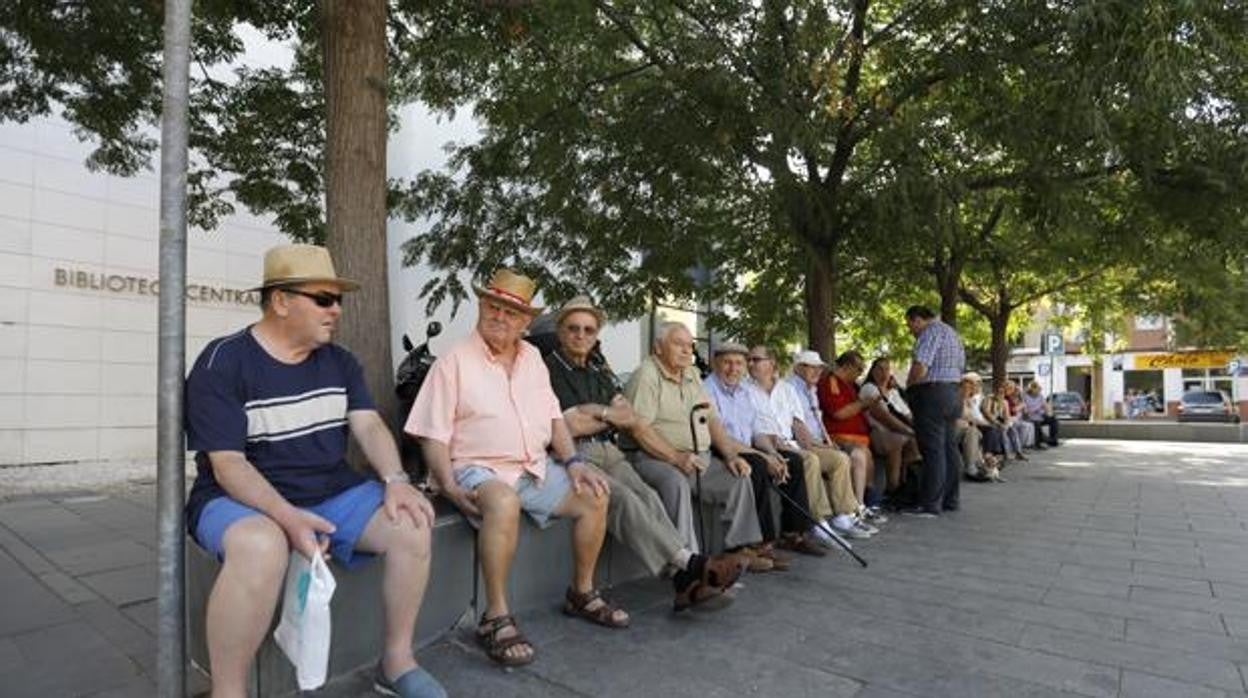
x,y
587,330
323,299
756,359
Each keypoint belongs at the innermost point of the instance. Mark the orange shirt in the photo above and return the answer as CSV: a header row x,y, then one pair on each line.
x,y
485,416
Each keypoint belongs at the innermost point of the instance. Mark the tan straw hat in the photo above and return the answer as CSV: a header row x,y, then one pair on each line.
x,y
511,289
581,304
285,265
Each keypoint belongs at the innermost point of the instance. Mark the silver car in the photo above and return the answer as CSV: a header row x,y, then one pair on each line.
x,y
1207,406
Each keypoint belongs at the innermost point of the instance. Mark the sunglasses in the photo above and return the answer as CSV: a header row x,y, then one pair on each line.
x,y
587,330
756,359
323,299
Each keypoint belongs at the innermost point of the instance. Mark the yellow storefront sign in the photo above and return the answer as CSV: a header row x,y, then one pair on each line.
x,y
1184,359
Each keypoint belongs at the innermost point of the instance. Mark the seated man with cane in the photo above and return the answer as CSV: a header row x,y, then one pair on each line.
x,y
667,395
748,421
596,410
485,417
268,412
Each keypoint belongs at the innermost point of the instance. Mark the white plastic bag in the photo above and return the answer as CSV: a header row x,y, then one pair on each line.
x,y
303,633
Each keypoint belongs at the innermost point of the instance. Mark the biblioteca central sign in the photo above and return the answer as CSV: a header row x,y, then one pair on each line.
x,y
150,286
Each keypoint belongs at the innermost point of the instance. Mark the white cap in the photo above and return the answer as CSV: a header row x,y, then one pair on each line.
x,y
808,358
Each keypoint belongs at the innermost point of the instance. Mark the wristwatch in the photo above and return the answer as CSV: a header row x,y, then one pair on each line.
x,y
576,458
396,477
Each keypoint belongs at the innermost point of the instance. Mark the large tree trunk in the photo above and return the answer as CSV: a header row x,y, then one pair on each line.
x,y
821,297
949,280
999,321
353,33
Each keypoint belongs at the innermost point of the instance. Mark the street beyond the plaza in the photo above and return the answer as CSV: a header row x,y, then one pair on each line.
x,y
1101,568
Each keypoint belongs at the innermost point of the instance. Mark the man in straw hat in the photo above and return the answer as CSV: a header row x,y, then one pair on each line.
x,y
485,417
596,411
269,410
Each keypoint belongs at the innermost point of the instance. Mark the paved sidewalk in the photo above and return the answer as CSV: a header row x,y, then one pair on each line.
x,y
1101,568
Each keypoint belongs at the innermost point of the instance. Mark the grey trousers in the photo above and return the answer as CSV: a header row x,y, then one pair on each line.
x,y
719,486
635,514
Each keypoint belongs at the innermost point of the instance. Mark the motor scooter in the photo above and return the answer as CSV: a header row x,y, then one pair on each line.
x,y
408,378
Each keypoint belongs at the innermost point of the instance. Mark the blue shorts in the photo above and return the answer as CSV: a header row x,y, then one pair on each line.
x,y
349,511
537,499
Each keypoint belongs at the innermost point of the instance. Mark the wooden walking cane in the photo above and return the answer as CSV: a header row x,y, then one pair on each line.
x,y
697,474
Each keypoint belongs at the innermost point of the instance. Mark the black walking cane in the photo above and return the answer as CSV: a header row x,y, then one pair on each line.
x,y
816,522
697,474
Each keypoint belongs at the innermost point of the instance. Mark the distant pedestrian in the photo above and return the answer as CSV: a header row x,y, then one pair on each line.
x,y
935,370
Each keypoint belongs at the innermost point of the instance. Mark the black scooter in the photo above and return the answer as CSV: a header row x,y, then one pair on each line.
x,y
407,381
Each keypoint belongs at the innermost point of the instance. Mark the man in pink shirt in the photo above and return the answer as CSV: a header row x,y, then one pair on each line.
x,y
485,418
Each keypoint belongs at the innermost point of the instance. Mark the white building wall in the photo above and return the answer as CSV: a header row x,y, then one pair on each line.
x,y
78,364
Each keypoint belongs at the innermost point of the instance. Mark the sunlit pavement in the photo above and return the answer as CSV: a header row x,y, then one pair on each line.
x,y
1101,568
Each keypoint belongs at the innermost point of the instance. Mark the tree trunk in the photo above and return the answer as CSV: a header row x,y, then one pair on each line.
x,y
999,321
821,296
353,34
949,280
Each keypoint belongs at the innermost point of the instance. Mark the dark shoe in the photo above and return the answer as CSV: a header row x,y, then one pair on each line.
x,y
800,544
920,513
695,594
723,570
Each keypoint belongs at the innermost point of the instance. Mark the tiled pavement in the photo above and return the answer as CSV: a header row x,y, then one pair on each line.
x,y
1100,569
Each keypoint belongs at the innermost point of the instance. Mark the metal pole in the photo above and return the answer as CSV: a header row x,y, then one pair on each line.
x,y
171,364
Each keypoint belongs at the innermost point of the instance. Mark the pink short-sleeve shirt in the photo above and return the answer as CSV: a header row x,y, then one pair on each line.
x,y
485,416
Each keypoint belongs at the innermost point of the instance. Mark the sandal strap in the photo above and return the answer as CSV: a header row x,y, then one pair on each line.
x,y
491,626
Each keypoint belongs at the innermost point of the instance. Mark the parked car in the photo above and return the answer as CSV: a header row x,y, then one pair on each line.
x,y
1207,406
1068,405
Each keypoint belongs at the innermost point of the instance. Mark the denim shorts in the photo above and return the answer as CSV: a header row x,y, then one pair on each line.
x,y
537,499
349,511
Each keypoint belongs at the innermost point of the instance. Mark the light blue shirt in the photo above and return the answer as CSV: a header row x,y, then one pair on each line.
x,y
741,408
810,407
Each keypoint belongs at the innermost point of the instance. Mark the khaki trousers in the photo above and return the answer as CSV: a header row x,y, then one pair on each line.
x,y
636,516
837,485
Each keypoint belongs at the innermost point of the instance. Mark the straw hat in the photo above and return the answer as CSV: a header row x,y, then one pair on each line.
x,y
581,304
972,377
300,264
510,289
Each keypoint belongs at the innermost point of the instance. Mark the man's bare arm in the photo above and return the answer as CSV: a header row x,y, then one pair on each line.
x,y
561,439
375,441
918,372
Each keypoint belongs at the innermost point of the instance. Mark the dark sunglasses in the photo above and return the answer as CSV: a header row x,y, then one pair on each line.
x,y
323,299
587,330
756,359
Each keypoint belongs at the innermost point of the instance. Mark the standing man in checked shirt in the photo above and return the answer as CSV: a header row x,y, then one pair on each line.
x,y
932,387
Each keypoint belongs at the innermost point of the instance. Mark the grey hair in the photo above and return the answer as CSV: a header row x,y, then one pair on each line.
x,y
666,329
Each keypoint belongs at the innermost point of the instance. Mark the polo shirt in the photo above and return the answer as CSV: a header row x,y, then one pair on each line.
x,y
288,420
665,402
579,385
484,415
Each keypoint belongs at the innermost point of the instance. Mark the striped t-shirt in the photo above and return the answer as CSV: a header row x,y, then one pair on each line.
x,y
289,421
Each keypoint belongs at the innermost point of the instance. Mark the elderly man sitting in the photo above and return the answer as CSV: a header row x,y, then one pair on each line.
x,y
667,394
747,419
787,412
485,417
841,472
596,411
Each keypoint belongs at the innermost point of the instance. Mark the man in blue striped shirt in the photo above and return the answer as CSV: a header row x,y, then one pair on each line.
x,y
932,387
268,412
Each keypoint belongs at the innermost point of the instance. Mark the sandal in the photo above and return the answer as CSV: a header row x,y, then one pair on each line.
x,y
700,595
780,563
577,604
496,648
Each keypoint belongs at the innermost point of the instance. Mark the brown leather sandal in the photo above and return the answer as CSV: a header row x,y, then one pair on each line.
x,y
496,647
577,604
702,596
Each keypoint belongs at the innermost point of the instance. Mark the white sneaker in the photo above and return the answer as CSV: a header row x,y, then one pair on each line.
x,y
863,525
846,526
872,514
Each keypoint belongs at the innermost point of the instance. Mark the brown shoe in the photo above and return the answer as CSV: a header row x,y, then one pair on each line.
x,y
779,561
800,544
723,570
755,562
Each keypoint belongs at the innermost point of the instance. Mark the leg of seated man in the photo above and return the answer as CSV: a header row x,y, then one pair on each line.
x,y
792,513
891,445
674,491
635,514
588,512
840,486
407,551
244,596
737,495
812,470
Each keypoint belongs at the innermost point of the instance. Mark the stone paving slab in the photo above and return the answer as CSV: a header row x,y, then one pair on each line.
x,y
1101,568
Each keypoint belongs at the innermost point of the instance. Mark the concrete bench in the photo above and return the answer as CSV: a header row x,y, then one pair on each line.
x,y
539,576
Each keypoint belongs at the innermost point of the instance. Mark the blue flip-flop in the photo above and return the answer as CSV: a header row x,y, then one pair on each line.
x,y
416,683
